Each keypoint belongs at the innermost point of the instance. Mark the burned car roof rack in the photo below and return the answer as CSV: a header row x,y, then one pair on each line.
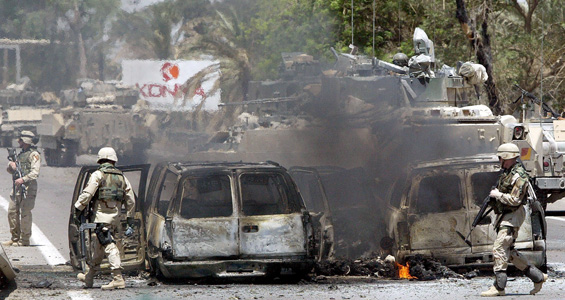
x,y
239,164
452,161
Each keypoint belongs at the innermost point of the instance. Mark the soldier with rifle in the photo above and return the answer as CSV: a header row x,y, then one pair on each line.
x,y
24,169
507,201
108,189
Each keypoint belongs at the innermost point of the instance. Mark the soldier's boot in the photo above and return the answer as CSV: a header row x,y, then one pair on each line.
x,y
117,281
24,243
10,243
493,292
87,278
537,276
497,289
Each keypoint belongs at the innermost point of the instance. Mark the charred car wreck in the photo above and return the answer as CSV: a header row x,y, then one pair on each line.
x,y
209,220
432,207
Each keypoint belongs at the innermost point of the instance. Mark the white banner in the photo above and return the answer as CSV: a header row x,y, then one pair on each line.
x,y
175,84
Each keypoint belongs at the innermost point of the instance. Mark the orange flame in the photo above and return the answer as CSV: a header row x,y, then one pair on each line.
x,y
404,271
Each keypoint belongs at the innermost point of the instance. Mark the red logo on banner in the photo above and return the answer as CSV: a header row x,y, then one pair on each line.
x,y
169,71
200,91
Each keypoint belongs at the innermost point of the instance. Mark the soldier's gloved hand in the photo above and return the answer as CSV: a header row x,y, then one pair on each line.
x,y
76,216
495,193
129,229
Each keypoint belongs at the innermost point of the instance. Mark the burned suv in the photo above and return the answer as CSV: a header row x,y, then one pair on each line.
x,y
210,220
431,208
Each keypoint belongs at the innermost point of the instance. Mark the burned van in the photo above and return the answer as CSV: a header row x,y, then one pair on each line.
x,y
431,209
220,220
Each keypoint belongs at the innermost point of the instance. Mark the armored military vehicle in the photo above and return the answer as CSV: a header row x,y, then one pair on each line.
x,y
99,114
22,109
540,134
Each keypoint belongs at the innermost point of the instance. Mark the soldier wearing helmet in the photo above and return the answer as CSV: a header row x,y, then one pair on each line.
x,y
107,189
19,216
510,196
400,59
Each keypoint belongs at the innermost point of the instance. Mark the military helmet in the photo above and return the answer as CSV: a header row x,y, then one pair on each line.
x,y
107,153
508,151
400,59
27,137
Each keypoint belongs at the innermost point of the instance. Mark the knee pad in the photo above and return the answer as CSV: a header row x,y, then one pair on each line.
x,y
534,274
500,280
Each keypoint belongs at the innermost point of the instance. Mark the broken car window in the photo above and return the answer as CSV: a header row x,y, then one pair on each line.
x,y
398,188
167,190
311,190
439,193
482,183
265,194
206,197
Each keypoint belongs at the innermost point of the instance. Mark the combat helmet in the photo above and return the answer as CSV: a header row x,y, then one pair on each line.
x,y
508,151
400,59
107,153
27,137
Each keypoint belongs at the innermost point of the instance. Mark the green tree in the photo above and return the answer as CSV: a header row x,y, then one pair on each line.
x,y
75,29
87,21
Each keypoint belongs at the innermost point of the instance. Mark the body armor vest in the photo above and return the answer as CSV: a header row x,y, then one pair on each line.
x,y
24,160
110,192
505,185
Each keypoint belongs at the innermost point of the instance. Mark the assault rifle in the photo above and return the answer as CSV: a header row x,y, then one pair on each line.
x,y
486,208
18,173
84,225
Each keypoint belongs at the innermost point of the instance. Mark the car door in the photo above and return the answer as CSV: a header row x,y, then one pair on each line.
x,y
271,221
81,226
204,220
314,195
437,211
481,180
395,217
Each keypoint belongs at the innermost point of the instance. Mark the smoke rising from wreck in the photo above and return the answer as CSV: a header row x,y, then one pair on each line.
x,y
360,147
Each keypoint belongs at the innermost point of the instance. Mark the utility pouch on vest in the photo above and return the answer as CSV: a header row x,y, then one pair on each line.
x,y
111,193
104,234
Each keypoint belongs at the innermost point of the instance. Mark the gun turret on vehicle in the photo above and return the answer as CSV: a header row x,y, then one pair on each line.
x,y
540,135
296,71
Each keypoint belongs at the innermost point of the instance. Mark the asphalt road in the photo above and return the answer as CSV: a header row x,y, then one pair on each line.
x,y
44,264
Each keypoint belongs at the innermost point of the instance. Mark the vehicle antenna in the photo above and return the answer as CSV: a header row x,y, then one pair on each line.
x,y
373,28
541,71
351,22
399,34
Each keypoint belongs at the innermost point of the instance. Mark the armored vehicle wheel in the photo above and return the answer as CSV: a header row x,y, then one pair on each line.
x,y
69,155
64,156
6,141
52,157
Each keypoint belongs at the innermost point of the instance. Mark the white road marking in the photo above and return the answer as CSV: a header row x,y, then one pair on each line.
x,y
49,252
556,218
79,295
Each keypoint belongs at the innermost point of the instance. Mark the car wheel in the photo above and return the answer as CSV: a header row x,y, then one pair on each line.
x,y
154,269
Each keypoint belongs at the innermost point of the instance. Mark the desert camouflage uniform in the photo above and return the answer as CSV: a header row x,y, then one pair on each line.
x,y
513,186
30,161
510,210
106,209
